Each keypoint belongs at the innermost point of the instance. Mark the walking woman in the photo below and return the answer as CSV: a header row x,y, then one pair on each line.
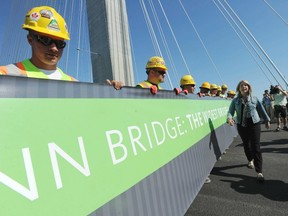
x,y
249,110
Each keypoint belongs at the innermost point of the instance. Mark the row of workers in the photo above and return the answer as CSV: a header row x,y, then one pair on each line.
x,y
156,71
47,32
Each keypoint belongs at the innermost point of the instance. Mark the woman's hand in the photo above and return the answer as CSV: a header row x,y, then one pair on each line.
x,y
231,121
267,125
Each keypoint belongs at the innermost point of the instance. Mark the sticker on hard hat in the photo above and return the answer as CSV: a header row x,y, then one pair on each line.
x,y
53,25
35,16
46,13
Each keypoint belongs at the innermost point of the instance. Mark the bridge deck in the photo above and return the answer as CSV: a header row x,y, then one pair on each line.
x,y
234,190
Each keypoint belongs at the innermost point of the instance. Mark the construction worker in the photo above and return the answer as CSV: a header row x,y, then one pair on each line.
x,y
187,83
230,94
224,89
219,89
156,71
47,32
213,90
204,89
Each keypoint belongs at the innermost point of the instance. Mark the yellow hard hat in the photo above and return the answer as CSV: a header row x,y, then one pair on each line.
x,y
205,85
231,92
187,80
156,62
224,86
46,20
213,86
219,88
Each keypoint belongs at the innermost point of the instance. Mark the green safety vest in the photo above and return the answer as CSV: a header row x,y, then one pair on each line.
x,y
147,84
27,69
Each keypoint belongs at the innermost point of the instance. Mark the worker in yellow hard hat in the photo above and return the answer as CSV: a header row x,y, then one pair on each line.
x,y
156,71
224,89
47,32
219,89
213,90
187,83
204,89
230,94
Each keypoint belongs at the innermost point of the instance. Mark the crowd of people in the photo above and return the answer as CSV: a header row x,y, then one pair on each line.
x,y
47,32
275,104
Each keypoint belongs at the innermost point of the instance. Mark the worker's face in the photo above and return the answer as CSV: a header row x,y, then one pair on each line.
x,y
190,88
204,90
46,51
158,75
213,91
223,91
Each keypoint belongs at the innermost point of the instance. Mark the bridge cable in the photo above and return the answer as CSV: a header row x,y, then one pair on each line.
x,y
259,46
248,40
152,33
174,37
166,47
276,12
202,43
149,26
253,56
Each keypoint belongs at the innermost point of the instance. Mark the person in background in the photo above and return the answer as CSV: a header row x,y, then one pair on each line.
x,y
278,95
266,101
213,90
47,32
204,89
230,94
187,83
156,71
249,110
224,88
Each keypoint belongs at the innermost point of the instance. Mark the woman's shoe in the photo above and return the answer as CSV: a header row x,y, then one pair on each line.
x,y
260,178
250,164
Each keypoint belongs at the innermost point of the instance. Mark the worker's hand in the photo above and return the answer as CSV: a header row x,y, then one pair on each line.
x,y
200,94
231,122
267,125
116,84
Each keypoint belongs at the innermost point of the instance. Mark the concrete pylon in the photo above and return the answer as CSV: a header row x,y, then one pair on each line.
x,y
109,41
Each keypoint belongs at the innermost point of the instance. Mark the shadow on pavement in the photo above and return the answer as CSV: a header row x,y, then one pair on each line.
x,y
271,189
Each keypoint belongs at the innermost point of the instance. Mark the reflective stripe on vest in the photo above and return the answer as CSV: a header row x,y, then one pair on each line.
x,y
147,84
27,69
13,70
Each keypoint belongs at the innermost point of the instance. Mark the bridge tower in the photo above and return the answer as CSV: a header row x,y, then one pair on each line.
x,y
109,41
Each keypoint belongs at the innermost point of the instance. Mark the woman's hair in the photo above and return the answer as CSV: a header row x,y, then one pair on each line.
x,y
239,85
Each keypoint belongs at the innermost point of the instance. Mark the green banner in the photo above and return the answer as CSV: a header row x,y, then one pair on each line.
x,y
74,155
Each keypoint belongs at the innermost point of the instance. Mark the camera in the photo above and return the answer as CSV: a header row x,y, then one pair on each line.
x,y
274,90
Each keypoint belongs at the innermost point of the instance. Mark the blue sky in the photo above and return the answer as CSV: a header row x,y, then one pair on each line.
x,y
231,58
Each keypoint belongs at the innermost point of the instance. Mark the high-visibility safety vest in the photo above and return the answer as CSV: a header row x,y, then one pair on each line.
x,y
147,84
27,69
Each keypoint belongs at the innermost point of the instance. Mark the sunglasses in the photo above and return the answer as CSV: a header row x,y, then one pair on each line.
x,y
46,41
160,72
